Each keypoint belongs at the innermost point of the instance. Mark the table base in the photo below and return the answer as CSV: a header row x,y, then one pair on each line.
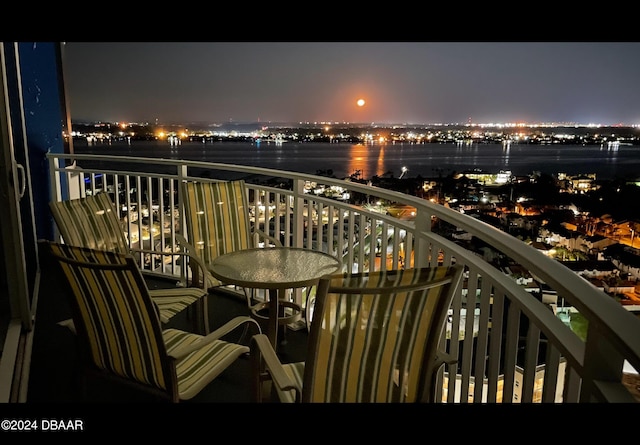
x,y
277,329
282,320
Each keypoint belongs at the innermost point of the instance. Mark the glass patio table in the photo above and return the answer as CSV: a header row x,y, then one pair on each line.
x,y
277,270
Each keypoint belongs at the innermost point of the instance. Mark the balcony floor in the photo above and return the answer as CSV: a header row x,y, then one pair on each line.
x,y
53,377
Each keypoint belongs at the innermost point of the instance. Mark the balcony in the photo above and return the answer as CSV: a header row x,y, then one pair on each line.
x,y
513,345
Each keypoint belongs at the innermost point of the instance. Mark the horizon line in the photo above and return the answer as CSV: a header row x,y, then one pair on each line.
x,y
369,124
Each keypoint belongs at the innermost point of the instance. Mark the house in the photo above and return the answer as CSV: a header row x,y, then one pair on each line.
x,y
591,268
618,286
545,248
596,243
625,258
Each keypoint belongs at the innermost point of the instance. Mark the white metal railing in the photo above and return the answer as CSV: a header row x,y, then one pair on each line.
x,y
503,336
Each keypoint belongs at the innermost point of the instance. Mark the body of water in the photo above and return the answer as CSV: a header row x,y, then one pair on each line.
x,y
426,160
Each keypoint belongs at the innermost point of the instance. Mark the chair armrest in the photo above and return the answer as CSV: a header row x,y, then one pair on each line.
x,y
229,326
68,323
188,251
262,352
442,358
186,246
208,280
264,235
178,292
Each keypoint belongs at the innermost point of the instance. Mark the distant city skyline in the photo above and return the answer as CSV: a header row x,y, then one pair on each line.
x,y
400,82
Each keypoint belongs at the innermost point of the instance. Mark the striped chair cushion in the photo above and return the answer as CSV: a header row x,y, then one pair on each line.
x,y
199,368
217,217
121,321
90,222
172,301
169,302
295,371
369,347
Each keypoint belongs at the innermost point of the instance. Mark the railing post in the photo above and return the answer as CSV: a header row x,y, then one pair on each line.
x,y
54,177
182,171
298,208
602,363
423,224
55,189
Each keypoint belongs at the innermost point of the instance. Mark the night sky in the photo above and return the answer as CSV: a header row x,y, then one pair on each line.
x,y
400,82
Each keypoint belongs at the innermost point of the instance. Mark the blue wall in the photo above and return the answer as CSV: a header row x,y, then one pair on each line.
x,y
44,119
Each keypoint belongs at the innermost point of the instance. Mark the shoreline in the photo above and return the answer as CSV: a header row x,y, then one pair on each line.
x,y
432,160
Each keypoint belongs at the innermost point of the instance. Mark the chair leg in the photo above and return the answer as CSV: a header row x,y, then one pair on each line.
x,y
244,337
250,296
308,307
198,313
203,307
261,380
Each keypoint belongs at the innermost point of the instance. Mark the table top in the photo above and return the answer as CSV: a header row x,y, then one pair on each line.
x,y
274,267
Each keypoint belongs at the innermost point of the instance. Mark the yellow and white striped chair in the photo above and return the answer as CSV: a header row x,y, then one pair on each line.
x,y
217,221
374,337
119,331
93,222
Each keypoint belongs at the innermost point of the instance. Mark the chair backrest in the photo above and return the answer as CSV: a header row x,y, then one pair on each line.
x,y
217,218
90,222
118,325
375,336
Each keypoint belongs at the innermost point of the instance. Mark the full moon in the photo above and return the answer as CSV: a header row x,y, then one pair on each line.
x,y
360,102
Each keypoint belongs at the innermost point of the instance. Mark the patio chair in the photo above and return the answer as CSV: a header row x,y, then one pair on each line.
x,y
120,336
218,222
374,337
93,222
